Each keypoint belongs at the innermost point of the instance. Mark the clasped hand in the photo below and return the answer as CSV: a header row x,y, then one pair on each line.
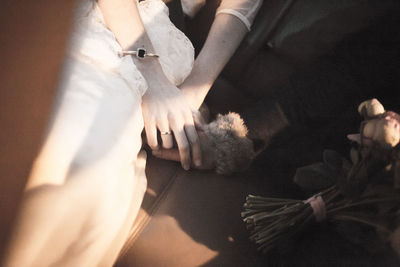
x,y
165,109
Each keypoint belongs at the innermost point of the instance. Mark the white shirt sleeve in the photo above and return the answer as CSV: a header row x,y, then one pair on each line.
x,y
245,10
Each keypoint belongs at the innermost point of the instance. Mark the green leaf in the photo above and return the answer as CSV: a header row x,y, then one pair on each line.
x,y
315,177
333,159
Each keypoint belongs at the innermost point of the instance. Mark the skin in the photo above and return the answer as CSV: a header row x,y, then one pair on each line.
x,y
225,35
165,107
62,213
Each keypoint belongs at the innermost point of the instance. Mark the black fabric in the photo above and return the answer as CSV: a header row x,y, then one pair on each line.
x,y
365,65
176,14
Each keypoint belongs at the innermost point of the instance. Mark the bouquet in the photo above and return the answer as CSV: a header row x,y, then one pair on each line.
x,y
362,190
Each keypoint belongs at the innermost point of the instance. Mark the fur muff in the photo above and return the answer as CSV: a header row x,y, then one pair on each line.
x,y
227,135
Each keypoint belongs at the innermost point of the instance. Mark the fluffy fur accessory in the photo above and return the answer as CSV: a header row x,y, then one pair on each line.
x,y
227,138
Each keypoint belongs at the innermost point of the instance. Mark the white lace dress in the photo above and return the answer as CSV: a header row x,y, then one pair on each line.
x,y
94,135
98,88
85,170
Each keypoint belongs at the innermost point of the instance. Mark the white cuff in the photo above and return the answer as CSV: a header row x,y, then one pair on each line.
x,y
238,15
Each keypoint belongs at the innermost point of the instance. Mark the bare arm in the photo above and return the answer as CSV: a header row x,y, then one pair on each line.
x,y
225,35
164,106
123,19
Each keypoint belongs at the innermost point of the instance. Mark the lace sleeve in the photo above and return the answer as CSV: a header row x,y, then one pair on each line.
x,y
245,10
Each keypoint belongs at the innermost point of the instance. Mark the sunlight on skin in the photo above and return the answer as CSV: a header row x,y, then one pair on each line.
x,y
117,15
225,35
164,106
151,192
96,188
63,212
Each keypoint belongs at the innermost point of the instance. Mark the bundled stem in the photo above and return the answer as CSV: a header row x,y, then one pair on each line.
x,y
354,197
273,219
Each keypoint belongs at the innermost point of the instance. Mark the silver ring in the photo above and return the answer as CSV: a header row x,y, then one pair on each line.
x,y
166,133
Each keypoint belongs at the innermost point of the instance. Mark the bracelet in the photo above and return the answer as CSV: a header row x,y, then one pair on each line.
x,y
139,53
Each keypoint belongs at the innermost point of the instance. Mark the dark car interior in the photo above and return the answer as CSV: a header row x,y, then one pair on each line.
x,y
296,80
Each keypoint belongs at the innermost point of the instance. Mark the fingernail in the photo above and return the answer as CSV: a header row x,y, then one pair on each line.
x,y
197,162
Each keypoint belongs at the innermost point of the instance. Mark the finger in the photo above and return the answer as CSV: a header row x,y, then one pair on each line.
x,y
151,134
168,154
198,119
183,147
167,140
140,174
140,163
166,134
194,142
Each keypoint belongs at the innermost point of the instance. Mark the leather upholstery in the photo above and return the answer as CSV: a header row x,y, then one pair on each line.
x,y
195,222
187,218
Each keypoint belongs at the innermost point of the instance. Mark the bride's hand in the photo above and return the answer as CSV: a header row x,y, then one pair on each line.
x,y
165,108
